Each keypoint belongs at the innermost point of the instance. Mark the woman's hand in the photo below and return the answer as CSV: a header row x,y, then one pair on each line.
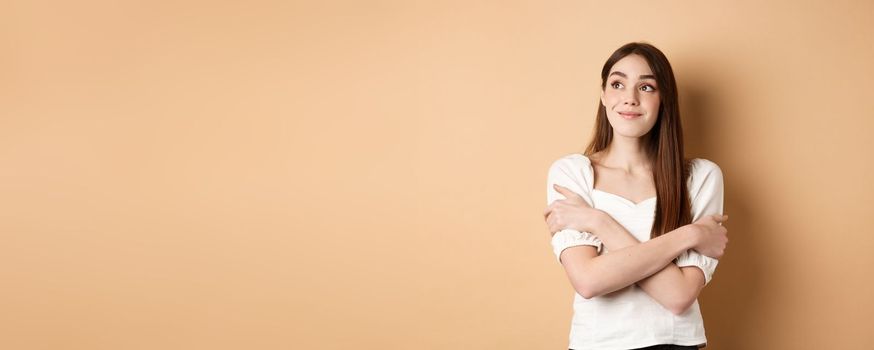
x,y
572,212
712,237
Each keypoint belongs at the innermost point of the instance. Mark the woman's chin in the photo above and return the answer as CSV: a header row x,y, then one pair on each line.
x,y
629,133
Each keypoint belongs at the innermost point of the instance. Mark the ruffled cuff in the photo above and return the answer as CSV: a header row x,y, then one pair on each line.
x,y
567,238
705,263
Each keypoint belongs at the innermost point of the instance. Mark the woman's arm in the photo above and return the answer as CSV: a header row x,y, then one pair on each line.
x,y
593,275
673,287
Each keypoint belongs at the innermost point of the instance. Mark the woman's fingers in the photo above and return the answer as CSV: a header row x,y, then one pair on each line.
x,y
550,207
550,224
719,219
568,193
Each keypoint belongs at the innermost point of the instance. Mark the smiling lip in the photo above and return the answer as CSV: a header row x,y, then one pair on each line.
x,y
629,115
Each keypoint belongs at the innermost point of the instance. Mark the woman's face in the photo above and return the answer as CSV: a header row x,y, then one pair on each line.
x,y
631,97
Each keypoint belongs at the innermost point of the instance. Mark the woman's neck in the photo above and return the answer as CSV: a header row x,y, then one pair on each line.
x,y
626,154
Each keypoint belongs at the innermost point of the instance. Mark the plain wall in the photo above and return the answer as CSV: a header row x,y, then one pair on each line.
x,y
333,175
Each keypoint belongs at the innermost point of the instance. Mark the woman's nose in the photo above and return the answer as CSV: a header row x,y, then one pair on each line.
x,y
630,98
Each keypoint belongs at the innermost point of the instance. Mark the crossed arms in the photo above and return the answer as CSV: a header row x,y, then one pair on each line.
x,y
648,264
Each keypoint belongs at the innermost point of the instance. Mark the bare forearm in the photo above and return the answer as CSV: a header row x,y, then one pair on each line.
x,y
631,262
668,286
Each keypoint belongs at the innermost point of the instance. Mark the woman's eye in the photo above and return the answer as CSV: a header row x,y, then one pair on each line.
x,y
651,89
614,85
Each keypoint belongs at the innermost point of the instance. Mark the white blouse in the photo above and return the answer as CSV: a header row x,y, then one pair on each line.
x,y
629,318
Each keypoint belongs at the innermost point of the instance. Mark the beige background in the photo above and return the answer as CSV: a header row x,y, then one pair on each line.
x,y
333,175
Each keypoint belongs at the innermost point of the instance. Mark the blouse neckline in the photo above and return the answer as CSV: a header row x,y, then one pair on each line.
x,y
626,200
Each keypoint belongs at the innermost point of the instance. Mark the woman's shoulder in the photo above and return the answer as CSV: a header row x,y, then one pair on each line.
x,y
699,165
702,169
574,165
572,160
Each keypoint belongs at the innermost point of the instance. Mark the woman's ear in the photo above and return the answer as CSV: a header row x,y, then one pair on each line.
x,y
602,99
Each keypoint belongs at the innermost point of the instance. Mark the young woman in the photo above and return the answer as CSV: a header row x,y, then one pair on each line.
x,y
637,227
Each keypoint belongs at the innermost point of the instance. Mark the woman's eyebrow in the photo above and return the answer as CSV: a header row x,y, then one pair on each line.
x,y
645,76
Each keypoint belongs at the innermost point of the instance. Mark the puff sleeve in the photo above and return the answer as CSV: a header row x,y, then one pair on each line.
x,y
569,172
707,193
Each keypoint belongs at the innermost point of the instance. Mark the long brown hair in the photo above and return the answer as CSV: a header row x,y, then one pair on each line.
x,y
663,143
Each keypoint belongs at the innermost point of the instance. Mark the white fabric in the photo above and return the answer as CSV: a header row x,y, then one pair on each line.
x,y
630,318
